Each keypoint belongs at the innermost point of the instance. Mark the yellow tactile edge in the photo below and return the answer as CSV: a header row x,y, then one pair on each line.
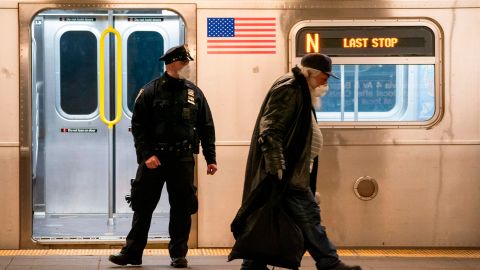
x,y
452,253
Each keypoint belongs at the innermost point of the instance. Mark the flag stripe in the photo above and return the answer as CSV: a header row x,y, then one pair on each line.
x,y
242,52
255,19
241,46
254,30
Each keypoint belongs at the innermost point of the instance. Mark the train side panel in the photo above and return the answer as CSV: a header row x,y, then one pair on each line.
x,y
428,178
9,140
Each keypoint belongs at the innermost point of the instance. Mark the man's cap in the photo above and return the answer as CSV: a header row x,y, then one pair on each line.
x,y
178,53
318,61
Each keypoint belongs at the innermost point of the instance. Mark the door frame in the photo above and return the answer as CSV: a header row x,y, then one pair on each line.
x,y
26,14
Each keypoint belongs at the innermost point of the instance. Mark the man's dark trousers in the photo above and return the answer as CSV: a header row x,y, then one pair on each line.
x,y
178,174
301,206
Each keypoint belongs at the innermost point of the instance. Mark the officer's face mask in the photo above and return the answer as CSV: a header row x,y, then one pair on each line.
x,y
184,73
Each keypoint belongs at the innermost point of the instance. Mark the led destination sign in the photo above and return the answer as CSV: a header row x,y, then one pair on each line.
x,y
363,42
348,41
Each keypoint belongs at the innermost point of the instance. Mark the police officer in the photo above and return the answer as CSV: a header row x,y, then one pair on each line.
x,y
171,116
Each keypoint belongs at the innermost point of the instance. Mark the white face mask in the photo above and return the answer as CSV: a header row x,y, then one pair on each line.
x,y
184,73
321,90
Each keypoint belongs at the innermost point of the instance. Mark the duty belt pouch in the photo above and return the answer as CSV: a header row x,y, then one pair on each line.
x,y
131,198
128,197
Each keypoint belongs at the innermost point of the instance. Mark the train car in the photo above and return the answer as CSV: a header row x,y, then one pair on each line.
x,y
400,166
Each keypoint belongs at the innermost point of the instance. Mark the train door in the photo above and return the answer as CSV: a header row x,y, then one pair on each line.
x,y
82,168
145,38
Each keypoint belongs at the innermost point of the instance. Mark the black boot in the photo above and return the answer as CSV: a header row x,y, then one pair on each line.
x,y
253,265
179,262
124,259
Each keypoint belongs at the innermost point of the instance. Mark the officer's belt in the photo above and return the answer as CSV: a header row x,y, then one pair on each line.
x,y
174,147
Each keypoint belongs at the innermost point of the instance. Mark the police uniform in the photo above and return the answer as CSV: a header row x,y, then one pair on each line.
x,y
171,116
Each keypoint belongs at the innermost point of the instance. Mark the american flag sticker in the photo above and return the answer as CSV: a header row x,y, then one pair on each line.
x,y
241,35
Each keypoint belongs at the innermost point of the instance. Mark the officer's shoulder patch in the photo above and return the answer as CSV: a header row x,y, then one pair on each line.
x,y
140,93
191,96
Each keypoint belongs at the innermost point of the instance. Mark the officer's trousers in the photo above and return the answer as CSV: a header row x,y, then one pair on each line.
x,y
178,175
301,206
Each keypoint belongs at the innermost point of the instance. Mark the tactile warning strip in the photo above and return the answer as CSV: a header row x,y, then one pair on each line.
x,y
451,253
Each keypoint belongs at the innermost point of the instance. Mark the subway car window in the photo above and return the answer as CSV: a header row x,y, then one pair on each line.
x,y
78,73
144,49
387,72
380,93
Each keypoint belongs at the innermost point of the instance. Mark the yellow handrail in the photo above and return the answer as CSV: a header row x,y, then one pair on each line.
x,y
118,114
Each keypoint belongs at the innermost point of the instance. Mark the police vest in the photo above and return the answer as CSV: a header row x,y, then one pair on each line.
x,y
174,113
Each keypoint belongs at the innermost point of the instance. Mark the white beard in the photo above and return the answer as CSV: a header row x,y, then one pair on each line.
x,y
184,73
316,102
321,90
317,91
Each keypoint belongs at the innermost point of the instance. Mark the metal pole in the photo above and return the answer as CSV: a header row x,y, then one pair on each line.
x,y
111,221
342,93
355,95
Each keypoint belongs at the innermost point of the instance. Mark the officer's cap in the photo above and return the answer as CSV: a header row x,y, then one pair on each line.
x,y
178,53
320,62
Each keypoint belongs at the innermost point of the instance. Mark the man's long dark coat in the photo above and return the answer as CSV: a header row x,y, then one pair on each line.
x,y
285,116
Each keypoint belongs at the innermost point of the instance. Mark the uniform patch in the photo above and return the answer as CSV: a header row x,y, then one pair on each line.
x,y
191,96
140,93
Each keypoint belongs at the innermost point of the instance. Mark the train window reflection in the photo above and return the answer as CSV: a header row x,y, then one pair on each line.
x,y
78,72
143,50
382,92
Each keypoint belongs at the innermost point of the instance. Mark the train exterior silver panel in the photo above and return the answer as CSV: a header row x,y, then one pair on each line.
x,y
411,207
72,164
425,167
76,142
403,160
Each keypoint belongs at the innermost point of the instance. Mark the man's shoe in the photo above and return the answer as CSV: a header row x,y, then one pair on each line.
x,y
253,265
179,262
342,266
123,259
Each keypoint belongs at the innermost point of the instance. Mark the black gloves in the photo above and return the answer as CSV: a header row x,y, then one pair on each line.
x,y
272,151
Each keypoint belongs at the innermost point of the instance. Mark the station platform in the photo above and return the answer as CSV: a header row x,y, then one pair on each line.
x,y
216,259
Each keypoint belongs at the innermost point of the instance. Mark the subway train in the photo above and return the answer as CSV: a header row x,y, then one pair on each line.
x,y
400,166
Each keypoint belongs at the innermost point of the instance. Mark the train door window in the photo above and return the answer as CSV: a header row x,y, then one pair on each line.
x,y
78,73
389,71
143,50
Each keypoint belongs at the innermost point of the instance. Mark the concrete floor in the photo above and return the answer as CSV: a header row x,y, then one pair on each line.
x,y
74,262
95,226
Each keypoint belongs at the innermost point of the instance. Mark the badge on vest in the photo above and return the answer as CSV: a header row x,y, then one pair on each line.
x,y
191,96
